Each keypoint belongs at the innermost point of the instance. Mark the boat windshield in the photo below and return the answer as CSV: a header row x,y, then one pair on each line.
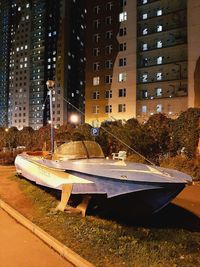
x,y
79,150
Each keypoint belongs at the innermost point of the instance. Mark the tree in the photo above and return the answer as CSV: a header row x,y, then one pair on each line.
x,y
11,137
26,137
185,132
158,130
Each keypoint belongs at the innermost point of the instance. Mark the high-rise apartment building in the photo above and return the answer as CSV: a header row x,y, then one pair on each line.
x,y
141,58
112,59
41,42
5,21
75,58
18,109
110,91
162,58
43,63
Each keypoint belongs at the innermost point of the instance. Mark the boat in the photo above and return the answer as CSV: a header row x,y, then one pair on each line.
x,y
79,168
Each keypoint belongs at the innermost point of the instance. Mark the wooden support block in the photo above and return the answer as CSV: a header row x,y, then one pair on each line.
x,y
66,192
82,207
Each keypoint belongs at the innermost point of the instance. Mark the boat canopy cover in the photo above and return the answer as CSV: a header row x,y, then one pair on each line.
x,y
78,150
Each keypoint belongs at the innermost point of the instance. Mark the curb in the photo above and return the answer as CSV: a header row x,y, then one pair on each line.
x,y
64,251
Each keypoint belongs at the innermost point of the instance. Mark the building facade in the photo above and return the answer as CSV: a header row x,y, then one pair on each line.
x,y
5,26
110,60
41,42
154,51
162,58
75,59
110,91
18,109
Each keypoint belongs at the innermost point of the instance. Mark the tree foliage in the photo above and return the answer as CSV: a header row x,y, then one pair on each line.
x,y
158,136
185,131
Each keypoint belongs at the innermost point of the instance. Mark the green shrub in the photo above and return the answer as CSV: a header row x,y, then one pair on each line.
x,y
8,158
183,164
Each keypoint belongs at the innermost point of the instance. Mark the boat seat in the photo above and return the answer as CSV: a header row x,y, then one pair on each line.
x,y
120,155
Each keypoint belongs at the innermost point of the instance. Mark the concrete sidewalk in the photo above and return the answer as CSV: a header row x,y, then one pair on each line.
x,y
19,247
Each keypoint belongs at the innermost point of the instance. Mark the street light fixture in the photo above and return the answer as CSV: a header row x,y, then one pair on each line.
x,y
50,85
74,118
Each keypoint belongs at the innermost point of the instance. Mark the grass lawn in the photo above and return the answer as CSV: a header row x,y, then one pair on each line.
x,y
170,238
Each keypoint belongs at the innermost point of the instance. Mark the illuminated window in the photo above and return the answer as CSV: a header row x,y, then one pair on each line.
x,y
159,44
159,12
159,28
144,47
159,60
158,91
122,77
145,31
144,109
123,16
96,81
144,16
159,76
144,77
159,108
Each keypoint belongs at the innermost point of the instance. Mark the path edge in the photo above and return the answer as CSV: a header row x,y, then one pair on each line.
x,y
64,251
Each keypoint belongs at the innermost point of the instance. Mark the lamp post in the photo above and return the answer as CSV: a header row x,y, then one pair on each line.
x,y
7,138
50,85
74,118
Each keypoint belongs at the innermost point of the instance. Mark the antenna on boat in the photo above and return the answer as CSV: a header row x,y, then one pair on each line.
x,y
122,142
50,85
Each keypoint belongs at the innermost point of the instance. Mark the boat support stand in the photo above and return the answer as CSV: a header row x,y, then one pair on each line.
x,y
66,192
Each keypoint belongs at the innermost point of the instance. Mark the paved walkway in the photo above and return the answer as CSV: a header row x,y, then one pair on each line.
x,y
20,248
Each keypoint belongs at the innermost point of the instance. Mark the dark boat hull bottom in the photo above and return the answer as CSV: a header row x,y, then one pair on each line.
x,y
136,204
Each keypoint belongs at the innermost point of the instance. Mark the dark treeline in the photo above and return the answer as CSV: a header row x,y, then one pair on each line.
x,y
159,138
